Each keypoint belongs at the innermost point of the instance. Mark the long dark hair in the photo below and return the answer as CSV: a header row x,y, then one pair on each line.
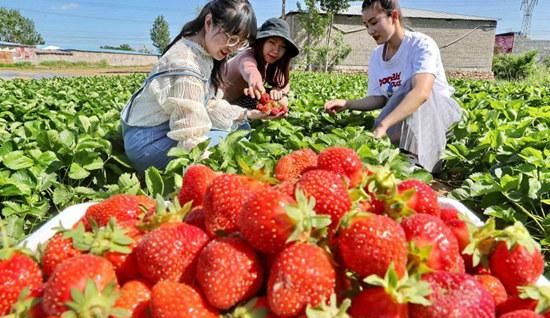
x,y
387,5
277,74
233,16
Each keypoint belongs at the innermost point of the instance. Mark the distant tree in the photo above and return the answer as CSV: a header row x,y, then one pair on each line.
x,y
160,35
314,24
122,47
332,7
16,28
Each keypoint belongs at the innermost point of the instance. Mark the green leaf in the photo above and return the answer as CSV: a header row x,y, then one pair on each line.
x,y
154,182
77,172
17,160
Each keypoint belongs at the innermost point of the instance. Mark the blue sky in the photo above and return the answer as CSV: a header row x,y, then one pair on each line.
x,y
88,24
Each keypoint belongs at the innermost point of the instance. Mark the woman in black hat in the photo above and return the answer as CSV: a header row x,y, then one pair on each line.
x,y
265,63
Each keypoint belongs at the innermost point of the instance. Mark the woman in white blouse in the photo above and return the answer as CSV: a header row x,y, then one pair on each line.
x,y
179,104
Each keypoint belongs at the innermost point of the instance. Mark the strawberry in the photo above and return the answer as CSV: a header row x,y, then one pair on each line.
x,y
343,161
413,196
135,296
369,243
266,211
196,217
391,296
432,244
169,252
524,313
91,274
330,193
520,265
291,166
196,179
265,98
301,275
454,295
223,201
493,286
123,207
459,227
17,271
121,251
58,249
176,300
534,298
228,271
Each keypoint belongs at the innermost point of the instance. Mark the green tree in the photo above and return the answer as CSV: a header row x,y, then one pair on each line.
x,y
16,28
332,7
314,24
122,47
160,35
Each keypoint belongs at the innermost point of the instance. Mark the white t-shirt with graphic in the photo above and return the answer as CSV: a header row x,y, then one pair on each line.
x,y
418,53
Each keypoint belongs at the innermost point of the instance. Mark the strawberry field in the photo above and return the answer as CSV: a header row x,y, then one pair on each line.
x,y
61,145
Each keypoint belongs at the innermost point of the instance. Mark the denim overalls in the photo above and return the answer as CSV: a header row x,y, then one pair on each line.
x,y
148,146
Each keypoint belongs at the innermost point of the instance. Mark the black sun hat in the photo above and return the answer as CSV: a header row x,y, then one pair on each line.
x,y
278,27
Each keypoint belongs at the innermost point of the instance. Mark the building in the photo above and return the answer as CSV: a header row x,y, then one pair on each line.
x,y
515,43
466,42
11,53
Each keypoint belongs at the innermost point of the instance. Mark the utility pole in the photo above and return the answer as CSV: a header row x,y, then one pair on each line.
x,y
283,10
528,7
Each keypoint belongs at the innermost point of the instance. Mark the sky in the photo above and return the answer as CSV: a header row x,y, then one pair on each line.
x,y
89,24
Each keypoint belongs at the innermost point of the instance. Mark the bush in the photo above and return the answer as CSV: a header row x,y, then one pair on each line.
x,y
546,61
514,66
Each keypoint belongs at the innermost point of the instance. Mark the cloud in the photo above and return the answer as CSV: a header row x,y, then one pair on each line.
x,y
69,6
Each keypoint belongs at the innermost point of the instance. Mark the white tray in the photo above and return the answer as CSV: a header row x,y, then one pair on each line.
x,y
68,217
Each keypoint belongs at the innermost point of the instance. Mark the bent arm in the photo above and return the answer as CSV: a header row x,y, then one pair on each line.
x,y
422,85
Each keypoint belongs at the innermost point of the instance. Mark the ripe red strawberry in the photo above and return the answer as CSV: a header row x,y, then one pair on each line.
x,y
391,296
516,267
17,271
524,313
330,193
177,300
195,181
223,201
228,272
459,227
455,295
58,249
123,207
413,196
266,211
433,243
493,286
291,166
369,243
343,161
265,98
123,256
196,217
74,274
169,252
533,298
301,275
135,296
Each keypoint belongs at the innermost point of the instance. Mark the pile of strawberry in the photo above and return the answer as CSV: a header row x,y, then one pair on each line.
x,y
269,106
331,238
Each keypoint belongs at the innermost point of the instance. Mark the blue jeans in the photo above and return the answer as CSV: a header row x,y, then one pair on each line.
x,y
149,146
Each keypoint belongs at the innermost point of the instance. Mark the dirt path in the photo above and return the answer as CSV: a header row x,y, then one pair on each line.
x,y
37,73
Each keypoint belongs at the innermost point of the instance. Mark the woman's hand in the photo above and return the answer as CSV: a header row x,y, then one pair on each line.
x,y
380,131
255,87
335,106
276,94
